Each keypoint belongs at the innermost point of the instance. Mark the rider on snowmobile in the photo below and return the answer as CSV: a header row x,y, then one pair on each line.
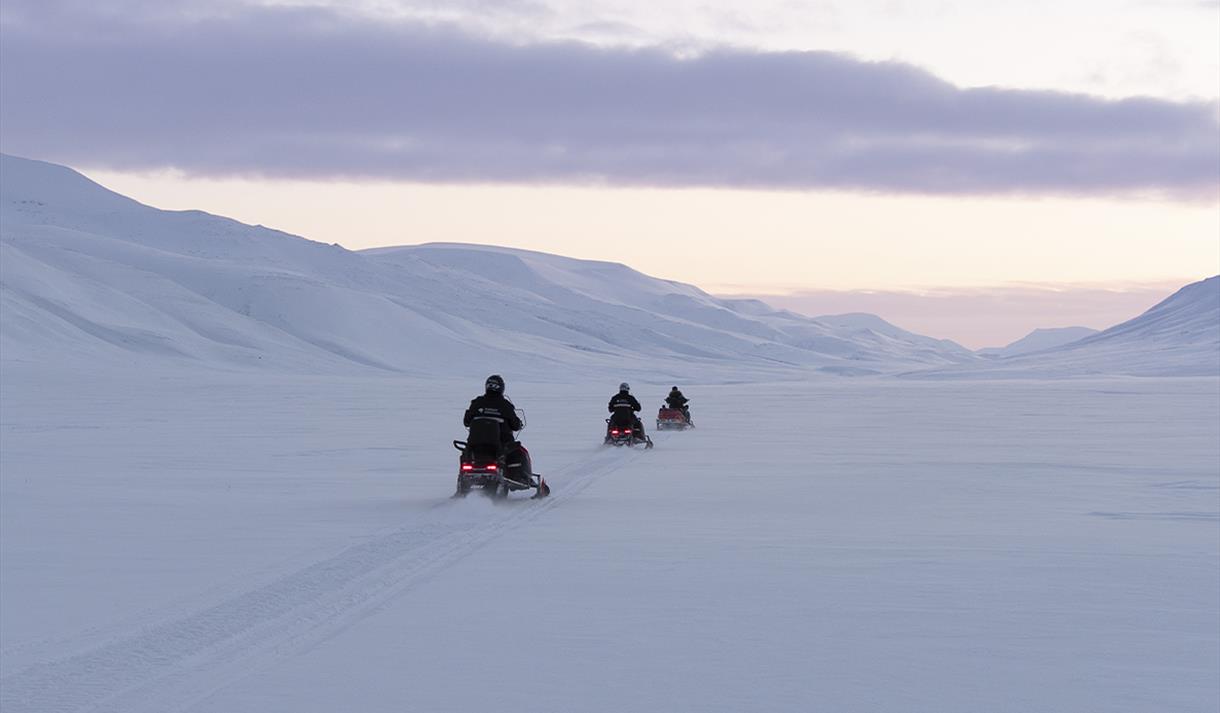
x,y
623,407
676,400
493,406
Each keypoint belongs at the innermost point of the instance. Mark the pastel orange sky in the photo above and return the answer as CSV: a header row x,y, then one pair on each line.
x,y
734,241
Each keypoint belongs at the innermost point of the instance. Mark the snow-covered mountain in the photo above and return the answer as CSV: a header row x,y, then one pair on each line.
x,y
89,274
1179,336
863,324
1038,340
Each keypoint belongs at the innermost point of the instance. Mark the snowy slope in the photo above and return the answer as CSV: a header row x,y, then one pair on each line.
x,y
862,325
1180,336
1189,317
90,274
620,306
1038,340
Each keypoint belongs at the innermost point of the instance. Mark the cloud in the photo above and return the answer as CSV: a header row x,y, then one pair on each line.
x,y
314,93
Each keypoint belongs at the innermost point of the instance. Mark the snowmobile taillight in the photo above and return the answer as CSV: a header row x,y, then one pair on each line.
x,y
467,466
628,431
491,467
614,432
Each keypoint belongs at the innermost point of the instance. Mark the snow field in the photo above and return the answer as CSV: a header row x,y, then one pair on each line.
x,y
239,542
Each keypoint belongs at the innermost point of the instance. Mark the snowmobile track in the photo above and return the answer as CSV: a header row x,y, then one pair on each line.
x,y
180,661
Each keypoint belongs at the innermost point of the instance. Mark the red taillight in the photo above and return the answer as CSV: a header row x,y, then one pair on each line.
x,y
491,467
628,431
614,432
467,466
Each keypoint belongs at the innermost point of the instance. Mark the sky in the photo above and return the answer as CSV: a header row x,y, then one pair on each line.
x,y
1061,159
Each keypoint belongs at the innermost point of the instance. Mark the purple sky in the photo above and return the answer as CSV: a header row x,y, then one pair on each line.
x,y
318,93
992,317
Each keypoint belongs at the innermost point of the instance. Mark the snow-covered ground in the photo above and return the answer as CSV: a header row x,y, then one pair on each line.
x,y
176,539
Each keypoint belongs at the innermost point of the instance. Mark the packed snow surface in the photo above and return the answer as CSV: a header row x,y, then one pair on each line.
x,y
208,541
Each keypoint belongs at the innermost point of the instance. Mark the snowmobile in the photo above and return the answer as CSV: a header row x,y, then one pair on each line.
x,y
495,467
673,419
618,434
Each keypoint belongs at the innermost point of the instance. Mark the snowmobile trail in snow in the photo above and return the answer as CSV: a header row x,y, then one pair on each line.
x,y
179,661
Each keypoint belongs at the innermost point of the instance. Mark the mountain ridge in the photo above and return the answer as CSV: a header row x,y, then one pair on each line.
x,y
93,274
1038,340
1178,336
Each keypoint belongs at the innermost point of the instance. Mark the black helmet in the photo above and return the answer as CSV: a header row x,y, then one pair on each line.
x,y
674,389
494,383
624,386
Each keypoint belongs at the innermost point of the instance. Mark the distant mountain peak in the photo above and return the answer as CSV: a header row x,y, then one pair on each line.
x,y
1039,339
874,323
30,182
1190,316
1179,336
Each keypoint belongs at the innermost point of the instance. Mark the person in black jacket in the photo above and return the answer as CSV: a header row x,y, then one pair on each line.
x,y
493,406
623,407
677,401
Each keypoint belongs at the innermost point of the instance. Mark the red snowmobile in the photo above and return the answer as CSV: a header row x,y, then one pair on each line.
x,y
673,419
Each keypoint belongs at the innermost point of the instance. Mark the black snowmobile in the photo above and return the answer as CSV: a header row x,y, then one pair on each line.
x,y
622,431
495,467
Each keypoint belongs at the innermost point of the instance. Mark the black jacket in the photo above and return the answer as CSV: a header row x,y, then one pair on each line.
x,y
497,408
676,399
623,400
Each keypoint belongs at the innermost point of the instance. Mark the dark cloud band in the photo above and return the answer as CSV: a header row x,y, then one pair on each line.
x,y
313,93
